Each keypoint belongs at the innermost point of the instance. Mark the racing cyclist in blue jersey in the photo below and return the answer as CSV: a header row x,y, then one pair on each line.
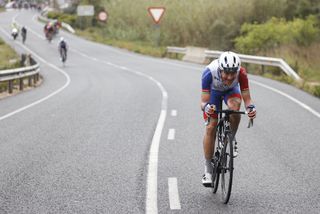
x,y
223,78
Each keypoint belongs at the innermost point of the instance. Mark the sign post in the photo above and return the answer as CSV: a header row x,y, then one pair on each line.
x,y
103,17
156,13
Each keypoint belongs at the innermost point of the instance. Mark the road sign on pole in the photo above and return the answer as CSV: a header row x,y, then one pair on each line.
x,y
103,16
85,10
156,13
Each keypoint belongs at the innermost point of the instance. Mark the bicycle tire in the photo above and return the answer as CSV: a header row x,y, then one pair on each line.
x,y
215,181
216,174
227,168
63,55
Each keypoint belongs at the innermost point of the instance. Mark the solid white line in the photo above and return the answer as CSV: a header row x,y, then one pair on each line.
x,y
308,108
44,98
174,113
174,194
171,134
152,176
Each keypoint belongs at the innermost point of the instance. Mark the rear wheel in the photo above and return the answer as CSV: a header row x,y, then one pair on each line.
x,y
63,55
227,168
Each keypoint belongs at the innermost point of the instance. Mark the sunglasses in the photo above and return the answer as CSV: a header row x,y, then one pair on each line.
x,y
230,70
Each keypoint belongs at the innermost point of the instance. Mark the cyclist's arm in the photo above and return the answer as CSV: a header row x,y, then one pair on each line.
x,y
206,86
205,98
244,86
246,97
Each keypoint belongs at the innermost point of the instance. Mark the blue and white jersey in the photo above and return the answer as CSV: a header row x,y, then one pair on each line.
x,y
211,78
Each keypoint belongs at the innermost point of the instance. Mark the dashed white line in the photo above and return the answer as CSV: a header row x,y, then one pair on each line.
x,y
171,134
174,194
174,113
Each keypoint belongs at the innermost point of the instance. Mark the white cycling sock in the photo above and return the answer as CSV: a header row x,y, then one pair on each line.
x,y
208,166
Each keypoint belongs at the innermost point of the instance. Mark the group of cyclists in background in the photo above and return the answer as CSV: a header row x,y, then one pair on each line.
x,y
51,30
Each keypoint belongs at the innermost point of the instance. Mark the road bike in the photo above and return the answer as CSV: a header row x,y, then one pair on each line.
x,y
223,158
63,55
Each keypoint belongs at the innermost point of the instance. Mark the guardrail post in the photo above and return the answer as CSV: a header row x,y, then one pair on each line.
x,y
21,84
262,69
10,86
29,81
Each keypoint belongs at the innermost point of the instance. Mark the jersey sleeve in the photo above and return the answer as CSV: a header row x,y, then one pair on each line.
x,y
206,80
243,79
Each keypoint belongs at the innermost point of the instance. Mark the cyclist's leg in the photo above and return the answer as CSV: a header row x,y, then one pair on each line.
x,y
233,101
210,133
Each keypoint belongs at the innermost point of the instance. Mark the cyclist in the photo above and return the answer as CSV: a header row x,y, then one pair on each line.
x,y
223,78
57,25
48,30
14,30
63,48
24,33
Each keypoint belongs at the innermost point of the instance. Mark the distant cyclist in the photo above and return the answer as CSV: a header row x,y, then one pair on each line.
x,y
223,78
24,34
14,30
63,49
48,31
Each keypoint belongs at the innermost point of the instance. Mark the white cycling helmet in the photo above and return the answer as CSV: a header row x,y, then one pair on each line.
x,y
229,62
61,39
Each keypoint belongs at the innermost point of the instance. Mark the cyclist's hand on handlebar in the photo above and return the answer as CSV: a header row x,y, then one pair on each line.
x,y
209,109
251,109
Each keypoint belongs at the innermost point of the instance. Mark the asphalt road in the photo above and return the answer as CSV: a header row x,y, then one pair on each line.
x,y
81,142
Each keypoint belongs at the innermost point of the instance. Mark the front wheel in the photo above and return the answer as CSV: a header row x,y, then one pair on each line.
x,y
215,179
63,55
227,168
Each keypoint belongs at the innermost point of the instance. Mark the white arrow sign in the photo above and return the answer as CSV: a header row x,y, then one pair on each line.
x,y
156,13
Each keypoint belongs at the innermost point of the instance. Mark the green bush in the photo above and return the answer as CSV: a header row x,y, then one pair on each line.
x,y
276,32
316,91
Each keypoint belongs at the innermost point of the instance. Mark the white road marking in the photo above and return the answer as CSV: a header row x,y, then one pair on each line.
x,y
171,134
306,107
174,113
44,98
174,194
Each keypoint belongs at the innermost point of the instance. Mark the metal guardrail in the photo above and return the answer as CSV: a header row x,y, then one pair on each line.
x,y
269,61
176,50
17,76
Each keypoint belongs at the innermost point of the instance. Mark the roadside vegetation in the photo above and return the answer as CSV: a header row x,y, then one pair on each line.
x,y
8,57
276,28
8,60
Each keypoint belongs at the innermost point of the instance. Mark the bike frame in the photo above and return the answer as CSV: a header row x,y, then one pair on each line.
x,y
220,162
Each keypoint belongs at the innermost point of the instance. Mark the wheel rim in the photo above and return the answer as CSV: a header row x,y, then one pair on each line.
x,y
227,171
